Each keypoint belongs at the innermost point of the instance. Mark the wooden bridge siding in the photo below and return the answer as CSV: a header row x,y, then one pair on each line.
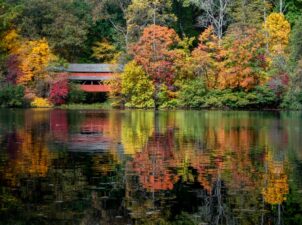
x,y
95,88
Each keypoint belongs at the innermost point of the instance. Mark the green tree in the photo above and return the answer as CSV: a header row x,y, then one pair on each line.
x,y
296,43
12,96
64,23
248,12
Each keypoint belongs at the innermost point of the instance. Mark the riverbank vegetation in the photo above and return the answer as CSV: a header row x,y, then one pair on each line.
x,y
177,53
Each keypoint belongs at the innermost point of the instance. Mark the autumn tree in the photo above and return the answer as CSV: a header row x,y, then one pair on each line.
x,y
105,52
34,58
245,63
136,87
278,29
153,52
208,58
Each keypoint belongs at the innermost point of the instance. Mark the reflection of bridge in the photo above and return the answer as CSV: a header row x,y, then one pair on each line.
x,y
92,133
93,77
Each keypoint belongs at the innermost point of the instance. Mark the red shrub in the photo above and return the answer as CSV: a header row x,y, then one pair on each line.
x,y
58,92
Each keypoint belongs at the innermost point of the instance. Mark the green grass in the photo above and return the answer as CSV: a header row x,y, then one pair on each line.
x,y
105,105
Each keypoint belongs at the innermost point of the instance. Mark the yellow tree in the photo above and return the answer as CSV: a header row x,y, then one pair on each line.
x,y
11,41
103,51
277,29
34,57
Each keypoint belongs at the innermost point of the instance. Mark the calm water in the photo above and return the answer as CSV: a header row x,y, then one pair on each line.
x,y
141,167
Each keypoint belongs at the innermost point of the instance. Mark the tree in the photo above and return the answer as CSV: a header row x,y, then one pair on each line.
x,y
64,23
215,14
278,30
208,58
8,12
34,57
141,13
245,63
115,12
248,12
103,51
296,43
137,89
154,53
12,96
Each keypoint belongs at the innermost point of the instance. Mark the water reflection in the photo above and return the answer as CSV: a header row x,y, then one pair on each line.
x,y
145,167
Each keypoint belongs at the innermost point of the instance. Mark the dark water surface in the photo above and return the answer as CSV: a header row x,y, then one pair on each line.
x,y
141,167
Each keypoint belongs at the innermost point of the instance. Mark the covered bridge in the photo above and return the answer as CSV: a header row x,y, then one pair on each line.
x,y
92,77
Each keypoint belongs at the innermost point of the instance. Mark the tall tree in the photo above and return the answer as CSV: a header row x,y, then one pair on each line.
x,y
154,53
208,58
278,30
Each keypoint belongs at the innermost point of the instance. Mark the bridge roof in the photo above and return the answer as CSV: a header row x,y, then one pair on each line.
x,y
88,78
94,68
89,68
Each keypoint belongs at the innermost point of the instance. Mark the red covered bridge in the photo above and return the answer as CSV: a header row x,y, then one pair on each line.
x,y
93,77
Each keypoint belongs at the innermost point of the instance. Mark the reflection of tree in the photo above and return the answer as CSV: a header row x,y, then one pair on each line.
x,y
29,156
276,187
153,163
137,127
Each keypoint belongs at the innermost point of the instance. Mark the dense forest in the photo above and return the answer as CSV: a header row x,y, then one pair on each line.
x,y
242,54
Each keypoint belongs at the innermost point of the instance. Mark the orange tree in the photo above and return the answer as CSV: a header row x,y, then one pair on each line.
x,y
154,52
245,61
208,58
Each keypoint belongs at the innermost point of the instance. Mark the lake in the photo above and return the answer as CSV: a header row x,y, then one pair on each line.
x,y
144,167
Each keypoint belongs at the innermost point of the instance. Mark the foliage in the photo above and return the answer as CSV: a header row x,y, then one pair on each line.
x,y
153,53
243,46
64,23
8,13
278,30
296,43
40,103
248,13
293,97
34,57
245,63
105,52
192,94
208,57
59,92
12,96
75,94
13,69
137,89
261,97
141,13
183,62
11,41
